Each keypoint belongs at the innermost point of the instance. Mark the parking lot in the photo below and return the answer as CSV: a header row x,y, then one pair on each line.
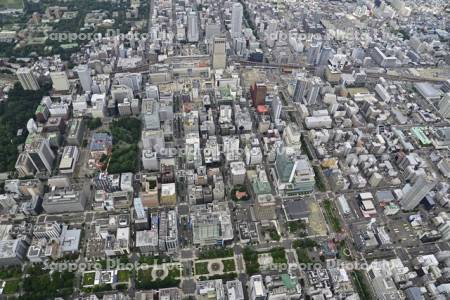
x,y
95,247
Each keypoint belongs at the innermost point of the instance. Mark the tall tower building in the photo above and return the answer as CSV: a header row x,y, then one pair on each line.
x,y
239,45
313,91
258,92
276,109
60,81
236,20
412,195
307,90
132,80
27,79
313,54
24,166
257,289
84,74
324,56
212,30
192,30
271,33
444,106
219,53
300,89
40,154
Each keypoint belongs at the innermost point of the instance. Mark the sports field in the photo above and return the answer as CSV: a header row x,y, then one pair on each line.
x,y
11,4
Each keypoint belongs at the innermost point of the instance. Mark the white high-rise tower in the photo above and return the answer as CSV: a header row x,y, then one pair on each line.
x,y
27,79
300,88
192,30
84,74
444,106
236,20
414,194
219,53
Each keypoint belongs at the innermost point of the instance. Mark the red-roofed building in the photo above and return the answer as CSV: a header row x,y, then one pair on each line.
x,y
262,109
258,93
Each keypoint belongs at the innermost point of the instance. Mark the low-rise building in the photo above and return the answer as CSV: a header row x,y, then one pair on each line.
x,y
118,244
101,144
168,194
210,289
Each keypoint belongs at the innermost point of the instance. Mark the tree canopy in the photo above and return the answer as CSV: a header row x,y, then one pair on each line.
x,y
14,114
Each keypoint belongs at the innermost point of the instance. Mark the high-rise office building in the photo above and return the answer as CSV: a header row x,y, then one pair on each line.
x,y
444,106
446,86
257,290
60,81
300,88
84,74
119,93
47,230
313,54
151,92
132,80
276,109
7,202
193,29
307,90
27,79
324,56
258,92
294,173
313,90
219,53
236,20
24,165
212,30
40,153
412,195
239,45
13,252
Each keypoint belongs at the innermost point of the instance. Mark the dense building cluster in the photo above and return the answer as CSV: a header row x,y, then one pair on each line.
x,y
229,150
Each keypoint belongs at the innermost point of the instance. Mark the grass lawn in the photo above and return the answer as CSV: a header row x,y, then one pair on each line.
x,y
201,268
12,286
151,260
123,275
144,274
228,265
216,253
174,273
330,215
145,279
88,278
11,4
344,252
